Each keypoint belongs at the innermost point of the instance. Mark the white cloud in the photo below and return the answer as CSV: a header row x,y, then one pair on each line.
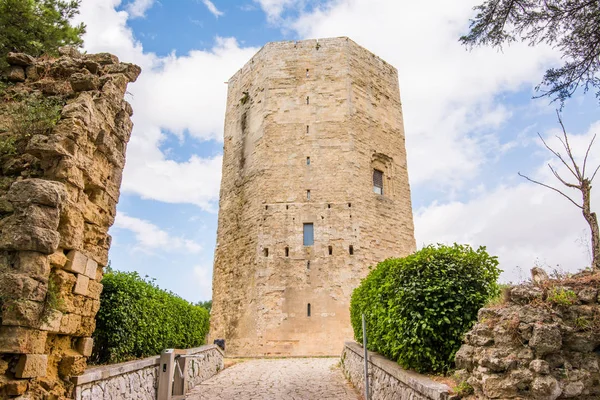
x,y
522,223
212,8
138,8
151,238
274,8
203,280
180,94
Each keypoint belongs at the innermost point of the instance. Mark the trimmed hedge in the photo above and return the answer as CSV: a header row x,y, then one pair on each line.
x,y
138,319
418,308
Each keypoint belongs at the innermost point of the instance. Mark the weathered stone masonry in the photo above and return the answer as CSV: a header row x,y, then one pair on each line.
x,y
307,123
58,193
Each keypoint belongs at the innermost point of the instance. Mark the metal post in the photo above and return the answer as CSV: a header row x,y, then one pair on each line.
x,y
364,332
165,375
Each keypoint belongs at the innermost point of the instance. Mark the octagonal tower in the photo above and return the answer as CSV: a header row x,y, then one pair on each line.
x,y
314,191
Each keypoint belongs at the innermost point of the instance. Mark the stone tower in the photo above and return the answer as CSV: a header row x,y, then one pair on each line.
x,y
314,191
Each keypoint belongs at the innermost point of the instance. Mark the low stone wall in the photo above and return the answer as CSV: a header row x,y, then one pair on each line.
x,y
138,380
386,379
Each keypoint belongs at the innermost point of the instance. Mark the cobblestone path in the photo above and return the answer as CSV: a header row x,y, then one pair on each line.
x,y
278,379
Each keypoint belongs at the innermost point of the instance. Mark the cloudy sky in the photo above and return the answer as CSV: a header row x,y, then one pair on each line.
x,y
471,125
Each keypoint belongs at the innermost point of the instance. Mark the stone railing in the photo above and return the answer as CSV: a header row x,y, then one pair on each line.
x,y
139,379
386,379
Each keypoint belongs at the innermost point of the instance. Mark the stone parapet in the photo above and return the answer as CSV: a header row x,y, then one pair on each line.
x,y
139,379
387,380
64,128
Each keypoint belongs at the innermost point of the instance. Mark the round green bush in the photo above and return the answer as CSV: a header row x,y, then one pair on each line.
x,y
138,319
418,308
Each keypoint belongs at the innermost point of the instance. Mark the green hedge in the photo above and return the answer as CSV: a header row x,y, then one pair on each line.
x,y
138,319
419,307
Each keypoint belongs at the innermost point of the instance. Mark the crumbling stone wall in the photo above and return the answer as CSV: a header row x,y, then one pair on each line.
x,y
543,343
64,127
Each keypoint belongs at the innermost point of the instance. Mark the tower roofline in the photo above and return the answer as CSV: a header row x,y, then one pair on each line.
x,y
308,43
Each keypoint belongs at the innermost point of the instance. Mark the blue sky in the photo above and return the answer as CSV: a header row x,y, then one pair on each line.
x,y
470,122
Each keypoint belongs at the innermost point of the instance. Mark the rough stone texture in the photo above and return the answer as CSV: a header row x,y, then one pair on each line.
x,y
264,277
538,345
138,380
387,381
59,186
292,378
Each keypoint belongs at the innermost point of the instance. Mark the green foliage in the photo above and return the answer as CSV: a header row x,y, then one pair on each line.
x,y
36,27
207,305
561,296
36,115
138,319
418,308
464,389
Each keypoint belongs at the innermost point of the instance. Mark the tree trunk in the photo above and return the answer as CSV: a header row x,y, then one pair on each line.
x,y
591,219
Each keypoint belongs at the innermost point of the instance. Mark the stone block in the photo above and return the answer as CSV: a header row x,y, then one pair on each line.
x,y
33,264
58,259
51,321
16,387
85,346
71,365
91,269
71,228
21,237
94,290
38,191
64,282
546,339
76,262
37,215
22,313
87,327
31,366
20,340
81,285
545,387
70,324
21,59
22,287
32,73
16,73
81,82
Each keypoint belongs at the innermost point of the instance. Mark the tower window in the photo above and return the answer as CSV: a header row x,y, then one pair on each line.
x,y
308,264
306,129
351,250
377,181
330,250
266,252
308,310
309,234
308,195
307,72
266,207
307,160
307,100
287,251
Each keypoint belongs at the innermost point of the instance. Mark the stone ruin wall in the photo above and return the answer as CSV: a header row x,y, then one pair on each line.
x,y
59,187
544,343
339,104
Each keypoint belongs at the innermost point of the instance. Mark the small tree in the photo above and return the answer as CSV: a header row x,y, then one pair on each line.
x,y
571,26
37,27
582,183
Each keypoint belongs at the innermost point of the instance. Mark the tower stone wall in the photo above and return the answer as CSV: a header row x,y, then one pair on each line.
x,y
306,125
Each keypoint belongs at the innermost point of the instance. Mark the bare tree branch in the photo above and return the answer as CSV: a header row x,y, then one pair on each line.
x,y
571,185
594,174
549,187
586,154
568,147
551,150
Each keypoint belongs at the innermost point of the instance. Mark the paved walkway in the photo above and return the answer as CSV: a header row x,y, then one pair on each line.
x,y
278,379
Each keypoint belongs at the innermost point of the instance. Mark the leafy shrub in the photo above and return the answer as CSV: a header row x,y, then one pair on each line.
x,y
561,296
419,307
138,319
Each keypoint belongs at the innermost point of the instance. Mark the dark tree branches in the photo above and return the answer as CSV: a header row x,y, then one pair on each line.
x,y
571,26
583,184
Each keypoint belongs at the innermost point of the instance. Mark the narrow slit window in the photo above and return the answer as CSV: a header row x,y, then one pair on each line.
x,y
330,250
308,310
266,207
307,72
287,207
308,265
307,160
287,251
377,181
309,234
307,128
351,250
307,100
328,205
308,195
266,252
